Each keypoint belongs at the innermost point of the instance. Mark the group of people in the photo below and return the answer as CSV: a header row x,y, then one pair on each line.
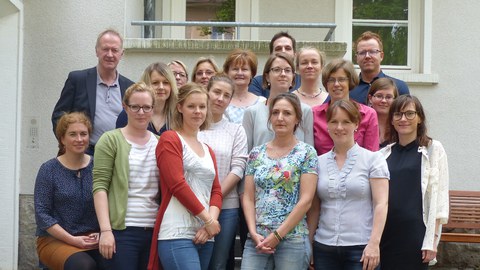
x,y
325,169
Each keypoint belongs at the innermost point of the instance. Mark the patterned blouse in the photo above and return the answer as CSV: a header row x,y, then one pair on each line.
x,y
277,185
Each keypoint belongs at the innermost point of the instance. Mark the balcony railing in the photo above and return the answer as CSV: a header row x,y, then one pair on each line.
x,y
238,25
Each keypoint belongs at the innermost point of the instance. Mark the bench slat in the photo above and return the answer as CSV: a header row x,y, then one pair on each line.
x,y
464,214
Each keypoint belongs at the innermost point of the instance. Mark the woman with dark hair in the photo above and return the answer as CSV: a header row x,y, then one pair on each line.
x,y
280,184
418,196
67,226
187,219
279,75
381,94
160,78
352,197
339,78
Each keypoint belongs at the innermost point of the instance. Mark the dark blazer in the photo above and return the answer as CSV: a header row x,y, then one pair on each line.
x,y
79,93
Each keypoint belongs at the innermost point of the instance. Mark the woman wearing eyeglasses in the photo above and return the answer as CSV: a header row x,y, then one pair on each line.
x,y
380,97
125,184
339,78
158,76
241,66
180,72
418,196
204,69
279,76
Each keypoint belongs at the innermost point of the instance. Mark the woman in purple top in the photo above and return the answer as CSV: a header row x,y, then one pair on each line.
x,y
339,78
67,226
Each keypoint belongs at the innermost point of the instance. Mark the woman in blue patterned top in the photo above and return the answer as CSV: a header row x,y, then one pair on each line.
x,y
67,226
280,183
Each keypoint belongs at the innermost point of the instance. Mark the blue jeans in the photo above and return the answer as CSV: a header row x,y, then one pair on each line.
x,y
183,254
337,257
133,248
289,254
223,241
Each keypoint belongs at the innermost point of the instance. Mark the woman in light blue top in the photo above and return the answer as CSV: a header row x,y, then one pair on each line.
x,y
280,184
352,197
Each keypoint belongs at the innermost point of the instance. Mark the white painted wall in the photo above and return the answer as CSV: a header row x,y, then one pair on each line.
x,y
10,83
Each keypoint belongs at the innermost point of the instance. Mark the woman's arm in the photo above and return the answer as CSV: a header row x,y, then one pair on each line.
x,y
313,215
308,185
249,209
371,253
238,161
371,137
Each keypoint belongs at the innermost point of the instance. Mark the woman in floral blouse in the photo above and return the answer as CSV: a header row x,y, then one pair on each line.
x,y
280,183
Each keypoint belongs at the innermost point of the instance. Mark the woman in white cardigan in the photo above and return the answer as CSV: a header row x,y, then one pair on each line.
x,y
418,194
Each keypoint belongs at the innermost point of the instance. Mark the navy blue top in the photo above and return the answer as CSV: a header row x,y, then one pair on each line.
x,y
122,121
256,88
360,92
64,197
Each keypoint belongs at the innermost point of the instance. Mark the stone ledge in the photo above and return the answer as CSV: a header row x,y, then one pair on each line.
x,y
337,49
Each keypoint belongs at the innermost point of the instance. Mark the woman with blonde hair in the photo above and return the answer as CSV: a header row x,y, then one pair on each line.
x,y
158,76
180,72
125,183
187,219
204,69
309,63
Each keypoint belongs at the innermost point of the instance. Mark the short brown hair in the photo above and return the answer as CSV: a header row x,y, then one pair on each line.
x,y
183,93
268,66
280,35
336,65
382,84
65,121
350,107
367,36
240,57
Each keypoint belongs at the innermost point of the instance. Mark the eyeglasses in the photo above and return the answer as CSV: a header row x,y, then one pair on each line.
x,y
278,70
369,52
410,115
200,73
145,108
387,98
181,74
339,80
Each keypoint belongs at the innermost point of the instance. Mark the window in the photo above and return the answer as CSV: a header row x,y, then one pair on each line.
x,y
413,18
389,19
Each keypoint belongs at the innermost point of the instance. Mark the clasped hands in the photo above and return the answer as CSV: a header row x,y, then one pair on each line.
x,y
208,231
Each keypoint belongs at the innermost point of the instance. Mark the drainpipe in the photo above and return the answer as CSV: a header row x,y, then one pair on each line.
x,y
149,15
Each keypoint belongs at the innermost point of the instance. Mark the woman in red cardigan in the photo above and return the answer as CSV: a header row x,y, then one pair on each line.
x,y
191,194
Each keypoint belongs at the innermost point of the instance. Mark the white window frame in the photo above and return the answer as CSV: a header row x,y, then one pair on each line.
x,y
418,68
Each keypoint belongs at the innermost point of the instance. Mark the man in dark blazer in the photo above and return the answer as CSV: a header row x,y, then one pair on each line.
x,y
97,91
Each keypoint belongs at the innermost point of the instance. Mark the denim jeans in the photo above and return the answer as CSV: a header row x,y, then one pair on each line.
x,y
223,241
132,249
289,254
183,254
337,257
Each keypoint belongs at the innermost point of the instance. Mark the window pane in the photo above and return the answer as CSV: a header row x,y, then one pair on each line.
x,y
380,9
395,42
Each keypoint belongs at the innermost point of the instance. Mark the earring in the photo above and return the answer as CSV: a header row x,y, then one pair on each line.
x,y
355,130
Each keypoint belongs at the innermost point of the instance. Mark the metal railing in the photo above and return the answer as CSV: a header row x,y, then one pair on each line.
x,y
237,25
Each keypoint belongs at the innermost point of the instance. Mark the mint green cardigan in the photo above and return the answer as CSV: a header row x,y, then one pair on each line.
x,y
111,172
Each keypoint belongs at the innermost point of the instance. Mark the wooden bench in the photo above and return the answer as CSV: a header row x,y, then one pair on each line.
x,y
464,215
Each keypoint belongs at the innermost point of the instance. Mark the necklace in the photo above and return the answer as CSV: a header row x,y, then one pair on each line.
x,y
299,90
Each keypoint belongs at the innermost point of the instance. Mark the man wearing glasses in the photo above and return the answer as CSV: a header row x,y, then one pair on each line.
x,y
369,55
97,91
